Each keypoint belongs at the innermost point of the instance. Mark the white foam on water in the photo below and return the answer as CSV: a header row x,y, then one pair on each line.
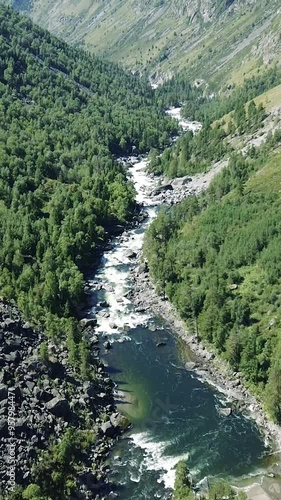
x,y
135,477
155,458
114,275
185,124
143,183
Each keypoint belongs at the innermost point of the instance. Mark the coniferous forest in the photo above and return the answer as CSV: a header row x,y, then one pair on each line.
x,y
65,115
66,118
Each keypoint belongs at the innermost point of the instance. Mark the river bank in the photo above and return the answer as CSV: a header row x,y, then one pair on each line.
x,y
207,364
209,367
42,397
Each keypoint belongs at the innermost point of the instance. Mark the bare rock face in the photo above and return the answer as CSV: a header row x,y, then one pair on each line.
x,y
205,10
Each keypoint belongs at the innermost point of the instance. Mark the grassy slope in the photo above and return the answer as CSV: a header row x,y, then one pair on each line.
x,y
226,49
271,99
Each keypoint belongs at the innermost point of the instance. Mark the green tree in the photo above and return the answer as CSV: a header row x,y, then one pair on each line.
x,y
273,391
182,487
44,353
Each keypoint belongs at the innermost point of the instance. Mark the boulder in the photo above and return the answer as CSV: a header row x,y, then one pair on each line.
x,y
36,366
182,181
11,324
119,421
86,322
130,254
162,189
30,385
104,314
22,425
161,344
43,396
142,309
225,412
3,427
103,303
235,383
3,392
108,429
4,376
59,407
190,365
13,357
142,268
15,343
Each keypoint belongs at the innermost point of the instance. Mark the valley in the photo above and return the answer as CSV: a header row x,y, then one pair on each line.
x,y
140,249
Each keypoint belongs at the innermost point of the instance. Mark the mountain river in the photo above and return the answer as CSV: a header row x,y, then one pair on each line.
x,y
174,415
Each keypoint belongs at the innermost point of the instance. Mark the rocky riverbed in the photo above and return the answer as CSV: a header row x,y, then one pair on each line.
x,y
162,190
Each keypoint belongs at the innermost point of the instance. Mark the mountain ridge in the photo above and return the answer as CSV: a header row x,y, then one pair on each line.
x,y
221,40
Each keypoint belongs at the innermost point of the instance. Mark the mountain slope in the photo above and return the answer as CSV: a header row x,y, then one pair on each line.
x,y
213,39
64,115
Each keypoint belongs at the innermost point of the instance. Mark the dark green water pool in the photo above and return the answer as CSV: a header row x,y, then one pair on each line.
x,y
174,416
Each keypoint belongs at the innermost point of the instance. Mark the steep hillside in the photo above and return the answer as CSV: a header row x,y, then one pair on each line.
x,y
213,39
64,115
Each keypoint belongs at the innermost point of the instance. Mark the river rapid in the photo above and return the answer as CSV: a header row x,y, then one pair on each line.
x,y
174,415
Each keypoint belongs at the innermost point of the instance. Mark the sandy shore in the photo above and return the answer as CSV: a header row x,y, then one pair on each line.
x,y
207,364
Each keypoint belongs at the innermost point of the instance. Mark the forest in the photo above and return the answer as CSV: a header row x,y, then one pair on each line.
x,y
217,259
65,116
195,152
219,490
207,103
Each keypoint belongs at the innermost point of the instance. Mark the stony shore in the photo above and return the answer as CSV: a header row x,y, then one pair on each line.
x,y
205,362
41,398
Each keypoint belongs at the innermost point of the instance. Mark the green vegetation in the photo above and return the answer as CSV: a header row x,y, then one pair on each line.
x,y
182,483
64,114
220,490
57,468
56,472
232,112
208,109
220,41
217,258
191,153
195,152
65,117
